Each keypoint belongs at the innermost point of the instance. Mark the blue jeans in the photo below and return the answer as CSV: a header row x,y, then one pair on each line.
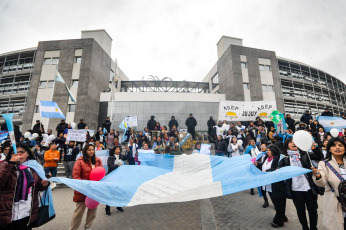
x,y
220,154
52,170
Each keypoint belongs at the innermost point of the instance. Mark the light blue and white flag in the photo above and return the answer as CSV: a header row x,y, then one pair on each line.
x,y
50,109
9,118
3,135
179,178
59,78
332,123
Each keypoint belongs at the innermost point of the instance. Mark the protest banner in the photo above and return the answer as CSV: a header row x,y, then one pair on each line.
x,y
131,121
76,135
245,111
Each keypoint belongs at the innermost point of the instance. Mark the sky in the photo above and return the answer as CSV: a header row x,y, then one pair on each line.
x,y
177,39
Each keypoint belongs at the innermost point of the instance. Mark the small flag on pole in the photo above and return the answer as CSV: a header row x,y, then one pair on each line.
x,y
9,122
50,109
59,78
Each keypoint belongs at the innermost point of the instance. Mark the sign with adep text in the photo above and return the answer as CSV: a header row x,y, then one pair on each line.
x,y
245,111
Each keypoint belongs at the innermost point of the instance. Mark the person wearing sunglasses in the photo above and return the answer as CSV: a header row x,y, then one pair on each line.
x,y
4,153
19,189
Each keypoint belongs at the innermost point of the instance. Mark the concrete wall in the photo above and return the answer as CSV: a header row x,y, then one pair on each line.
x,y
93,79
231,75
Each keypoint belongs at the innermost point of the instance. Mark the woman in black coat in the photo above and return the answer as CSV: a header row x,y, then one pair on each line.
x,y
114,161
302,189
277,191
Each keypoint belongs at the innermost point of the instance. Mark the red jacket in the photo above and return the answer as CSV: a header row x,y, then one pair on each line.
x,y
81,171
8,182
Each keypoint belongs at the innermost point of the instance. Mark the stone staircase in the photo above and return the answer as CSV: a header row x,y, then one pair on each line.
x,y
61,173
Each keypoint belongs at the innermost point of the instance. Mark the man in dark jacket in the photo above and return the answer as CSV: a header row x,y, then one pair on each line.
x,y
151,123
38,127
327,113
306,117
107,124
211,123
191,123
61,127
81,124
290,122
172,122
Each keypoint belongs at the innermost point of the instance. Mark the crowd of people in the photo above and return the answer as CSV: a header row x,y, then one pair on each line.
x,y
270,149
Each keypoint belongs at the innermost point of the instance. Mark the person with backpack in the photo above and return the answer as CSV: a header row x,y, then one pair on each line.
x,y
331,174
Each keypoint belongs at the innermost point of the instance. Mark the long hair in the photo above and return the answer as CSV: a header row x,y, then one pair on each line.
x,y
285,148
331,143
86,157
274,149
23,146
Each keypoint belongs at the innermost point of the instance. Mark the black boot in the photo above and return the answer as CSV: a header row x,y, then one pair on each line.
x,y
266,204
108,210
120,209
252,192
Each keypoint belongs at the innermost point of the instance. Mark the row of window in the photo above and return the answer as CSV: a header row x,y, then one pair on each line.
x,y
261,67
265,88
55,60
50,84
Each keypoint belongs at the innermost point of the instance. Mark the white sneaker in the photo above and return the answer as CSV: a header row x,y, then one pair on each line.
x,y
52,185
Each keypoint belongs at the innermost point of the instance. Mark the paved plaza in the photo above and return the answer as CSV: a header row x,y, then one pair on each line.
x,y
235,211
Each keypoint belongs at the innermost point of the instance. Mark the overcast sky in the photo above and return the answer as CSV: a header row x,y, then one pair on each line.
x,y
178,39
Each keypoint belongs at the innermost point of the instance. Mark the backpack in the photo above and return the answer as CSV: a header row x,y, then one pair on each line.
x,y
341,188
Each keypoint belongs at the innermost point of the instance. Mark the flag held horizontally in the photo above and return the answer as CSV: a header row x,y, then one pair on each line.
x,y
50,109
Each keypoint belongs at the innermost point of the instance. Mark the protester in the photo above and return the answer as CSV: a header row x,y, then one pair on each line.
x,y
218,130
110,138
81,171
220,146
290,122
271,134
151,123
6,151
234,148
114,161
47,139
38,127
19,190
306,117
60,141
172,131
173,122
51,158
107,124
197,148
39,154
261,159
101,137
131,152
302,189
327,113
71,151
145,146
98,146
116,143
81,124
277,191
325,176
173,147
191,123
60,128
66,130
159,146
158,126
210,123
324,148
252,149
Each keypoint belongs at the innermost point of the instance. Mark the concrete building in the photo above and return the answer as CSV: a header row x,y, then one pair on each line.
x,y
102,89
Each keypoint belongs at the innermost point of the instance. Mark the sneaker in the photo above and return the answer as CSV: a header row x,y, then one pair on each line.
x,y
120,209
275,225
265,204
252,192
108,213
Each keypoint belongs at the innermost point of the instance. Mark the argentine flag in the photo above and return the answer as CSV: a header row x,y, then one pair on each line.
x,y
50,109
58,78
179,178
332,123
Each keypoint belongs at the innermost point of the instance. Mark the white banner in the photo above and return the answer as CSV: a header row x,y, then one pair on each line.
x,y
76,135
245,111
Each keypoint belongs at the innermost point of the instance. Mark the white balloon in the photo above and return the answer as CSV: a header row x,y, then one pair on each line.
x,y
34,135
27,134
334,132
303,140
239,142
73,125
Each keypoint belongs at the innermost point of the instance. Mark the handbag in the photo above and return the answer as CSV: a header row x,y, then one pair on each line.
x,y
43,212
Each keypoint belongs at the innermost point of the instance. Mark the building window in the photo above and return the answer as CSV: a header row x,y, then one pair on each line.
x,y
264,88
246,86
75,83
270,88
243,65
55,61
264,67
50,84
47,61
215,80
71,108
77,59
37,109
43,84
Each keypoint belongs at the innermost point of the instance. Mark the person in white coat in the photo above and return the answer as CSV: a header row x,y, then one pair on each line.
x,y
333,215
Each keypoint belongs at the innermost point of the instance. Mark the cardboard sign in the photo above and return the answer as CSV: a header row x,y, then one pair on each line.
x,y
76,135
131,122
